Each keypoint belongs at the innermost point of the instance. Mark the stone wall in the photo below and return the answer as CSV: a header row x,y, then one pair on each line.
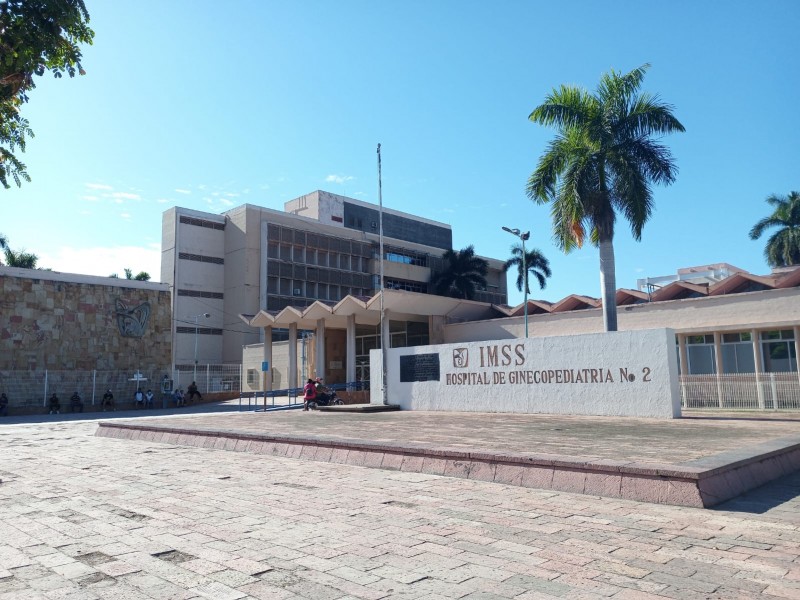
x,y
62,321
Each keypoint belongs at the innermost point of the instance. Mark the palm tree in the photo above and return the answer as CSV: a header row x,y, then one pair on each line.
x,y
783,247
603,160
20,258
535,263
462,274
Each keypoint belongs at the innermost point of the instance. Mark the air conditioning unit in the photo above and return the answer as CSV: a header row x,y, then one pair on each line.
x,y
298,292
374,225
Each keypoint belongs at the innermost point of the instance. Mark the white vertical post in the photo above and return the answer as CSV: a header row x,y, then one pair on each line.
x,y
292,356
94,383
759,366
718,364
44,400
351,349
208,378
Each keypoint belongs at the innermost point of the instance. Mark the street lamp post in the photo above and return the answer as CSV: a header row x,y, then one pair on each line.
x,y
523,236
196,320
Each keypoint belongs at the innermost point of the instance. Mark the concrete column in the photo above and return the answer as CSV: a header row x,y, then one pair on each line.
x,y
386,330
320,339
797,348
268,357
718,364
682,355
350,356
292,355
759,366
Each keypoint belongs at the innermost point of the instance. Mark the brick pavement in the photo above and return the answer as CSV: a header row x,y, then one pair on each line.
x,y
83,517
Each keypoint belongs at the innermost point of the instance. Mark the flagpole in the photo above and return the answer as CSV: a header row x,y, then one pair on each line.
x,y
384,385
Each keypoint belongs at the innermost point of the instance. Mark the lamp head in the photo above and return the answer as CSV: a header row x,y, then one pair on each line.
x,y
207,315
525,236
514,231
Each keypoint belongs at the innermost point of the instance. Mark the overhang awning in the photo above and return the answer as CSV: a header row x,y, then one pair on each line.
x,y
399,303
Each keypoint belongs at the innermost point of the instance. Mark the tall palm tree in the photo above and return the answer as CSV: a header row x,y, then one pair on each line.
x,y
535,263
603,161
20,258
462,274
783,246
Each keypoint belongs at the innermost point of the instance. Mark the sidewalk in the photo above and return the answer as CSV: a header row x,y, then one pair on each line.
x,y
87,517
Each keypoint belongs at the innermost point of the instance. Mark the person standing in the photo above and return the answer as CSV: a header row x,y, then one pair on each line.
x,y
309,393
3,405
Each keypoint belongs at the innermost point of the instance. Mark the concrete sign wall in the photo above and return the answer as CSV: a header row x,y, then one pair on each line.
x,y
626,373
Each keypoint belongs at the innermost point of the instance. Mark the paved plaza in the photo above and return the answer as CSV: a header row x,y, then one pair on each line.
x,y
84,517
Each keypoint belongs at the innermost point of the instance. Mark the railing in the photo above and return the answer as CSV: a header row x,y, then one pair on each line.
x,y
741,391
293,397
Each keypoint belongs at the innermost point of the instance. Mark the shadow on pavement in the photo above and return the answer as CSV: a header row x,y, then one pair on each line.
x,y
781,495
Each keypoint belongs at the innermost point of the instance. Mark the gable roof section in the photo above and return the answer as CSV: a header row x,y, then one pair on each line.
x,y
575,302
677,290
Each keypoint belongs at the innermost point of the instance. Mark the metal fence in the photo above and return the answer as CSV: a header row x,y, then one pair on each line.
x,y
209,378
741,391
27,389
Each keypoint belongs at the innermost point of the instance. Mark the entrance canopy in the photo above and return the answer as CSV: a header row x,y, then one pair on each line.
x,y
401,304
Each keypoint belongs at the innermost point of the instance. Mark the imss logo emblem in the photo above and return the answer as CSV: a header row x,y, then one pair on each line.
x,y
460,358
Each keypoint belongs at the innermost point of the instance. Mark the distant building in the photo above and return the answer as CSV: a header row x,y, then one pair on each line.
x,y
703,275
323,247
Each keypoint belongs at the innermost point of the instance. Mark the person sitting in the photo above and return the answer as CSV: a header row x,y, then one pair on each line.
x,y
3,405
148,399
322,391
75,402
54,404
139,398
180,400
108,400
309,393
192,393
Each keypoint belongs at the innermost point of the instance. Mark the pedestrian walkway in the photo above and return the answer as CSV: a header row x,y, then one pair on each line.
x,y
86,517
697,461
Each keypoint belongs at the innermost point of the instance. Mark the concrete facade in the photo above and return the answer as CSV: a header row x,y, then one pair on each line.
x,y
323,247
631,374
63,321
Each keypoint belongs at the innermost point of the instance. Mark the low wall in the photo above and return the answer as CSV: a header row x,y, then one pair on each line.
x,y
625,373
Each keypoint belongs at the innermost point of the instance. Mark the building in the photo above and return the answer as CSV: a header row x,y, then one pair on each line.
x,y
321,249
737,339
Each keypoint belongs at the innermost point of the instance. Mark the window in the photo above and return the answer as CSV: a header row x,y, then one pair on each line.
x,y
252,377
778,351
700,354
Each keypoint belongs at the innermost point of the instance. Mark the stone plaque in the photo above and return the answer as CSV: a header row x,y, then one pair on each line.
x,y
419,367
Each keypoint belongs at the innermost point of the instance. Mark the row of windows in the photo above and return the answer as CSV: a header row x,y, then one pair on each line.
x,y
199,330
778,353
201,258
321,258
201,294
408,286
307,239
202,223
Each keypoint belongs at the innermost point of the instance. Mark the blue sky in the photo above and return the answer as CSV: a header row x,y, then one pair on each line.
x,y
209,105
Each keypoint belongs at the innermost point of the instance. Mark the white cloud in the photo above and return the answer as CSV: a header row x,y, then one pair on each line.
x,y
182,191
162,200
90,198
104,261
125,196
226,202
339,178
125,215
98,186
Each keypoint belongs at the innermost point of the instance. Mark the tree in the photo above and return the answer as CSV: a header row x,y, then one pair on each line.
x,y
783,246
603,161
141,276
462,274
20,258
535,263
37,36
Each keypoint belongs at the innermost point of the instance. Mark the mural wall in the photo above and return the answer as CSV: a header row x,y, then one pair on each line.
x,y
74,322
